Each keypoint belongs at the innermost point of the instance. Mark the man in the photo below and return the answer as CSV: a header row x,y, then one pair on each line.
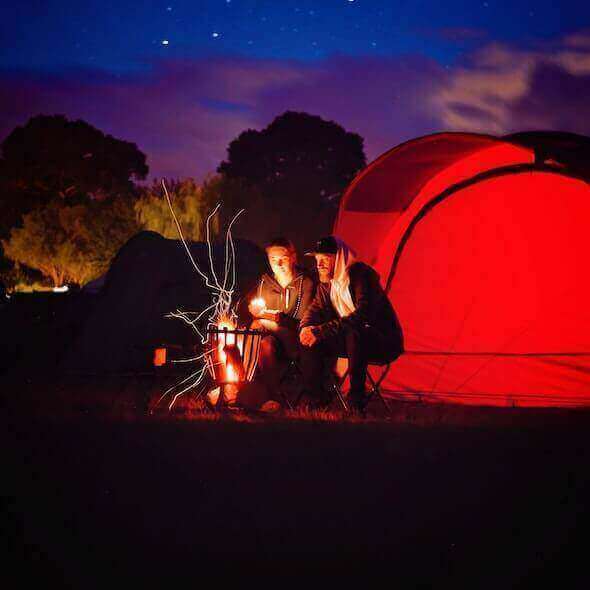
x,y
350,316
276,307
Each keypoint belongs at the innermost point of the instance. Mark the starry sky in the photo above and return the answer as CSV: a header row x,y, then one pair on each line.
x,y
182,79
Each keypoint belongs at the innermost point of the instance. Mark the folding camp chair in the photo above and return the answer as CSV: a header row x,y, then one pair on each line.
x,y
374,392
332,381
292,373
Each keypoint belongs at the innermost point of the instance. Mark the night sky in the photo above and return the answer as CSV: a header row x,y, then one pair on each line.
x,y
182,79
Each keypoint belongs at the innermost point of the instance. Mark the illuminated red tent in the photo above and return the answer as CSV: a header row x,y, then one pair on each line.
x,y
483,250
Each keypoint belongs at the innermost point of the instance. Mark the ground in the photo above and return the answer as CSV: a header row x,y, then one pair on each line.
x,y
439,496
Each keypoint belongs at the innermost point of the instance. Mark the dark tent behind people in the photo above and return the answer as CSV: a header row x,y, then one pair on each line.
x,y
149,278
481,244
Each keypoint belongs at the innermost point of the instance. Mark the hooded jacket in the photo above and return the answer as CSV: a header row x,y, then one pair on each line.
x,y
291,301
372,309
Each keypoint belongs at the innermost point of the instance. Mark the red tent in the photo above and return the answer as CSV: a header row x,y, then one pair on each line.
x,y
482,251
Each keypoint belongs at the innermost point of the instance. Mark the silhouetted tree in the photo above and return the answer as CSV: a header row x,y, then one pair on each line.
x,y
51,156
300,164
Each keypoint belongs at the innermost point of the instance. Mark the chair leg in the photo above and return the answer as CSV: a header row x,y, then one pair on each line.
x,y
292,369
339,395
376,391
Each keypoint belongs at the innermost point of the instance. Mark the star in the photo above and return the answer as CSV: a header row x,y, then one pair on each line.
x,y
215,34
165,42
169,8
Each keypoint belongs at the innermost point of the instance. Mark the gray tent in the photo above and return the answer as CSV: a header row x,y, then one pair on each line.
x,y
150,277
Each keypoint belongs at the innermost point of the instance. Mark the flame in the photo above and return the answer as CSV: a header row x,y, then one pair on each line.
x,y
231,338
230,373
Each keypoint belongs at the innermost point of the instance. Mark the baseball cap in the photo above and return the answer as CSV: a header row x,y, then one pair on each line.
x,y
325,245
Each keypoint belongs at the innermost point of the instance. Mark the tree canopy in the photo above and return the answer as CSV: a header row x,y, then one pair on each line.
x,y
72,243
296,149
52,156
300,164
192,203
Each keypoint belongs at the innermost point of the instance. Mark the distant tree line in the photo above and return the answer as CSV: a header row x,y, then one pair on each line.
x,y
71,196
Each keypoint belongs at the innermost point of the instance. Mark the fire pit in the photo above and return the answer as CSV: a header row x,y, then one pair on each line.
x,y
232,357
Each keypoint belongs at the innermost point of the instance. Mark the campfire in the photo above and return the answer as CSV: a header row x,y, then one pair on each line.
x,y
231,357
229,354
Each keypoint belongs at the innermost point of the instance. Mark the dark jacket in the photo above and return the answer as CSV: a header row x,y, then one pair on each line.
x,y
372,309
292,301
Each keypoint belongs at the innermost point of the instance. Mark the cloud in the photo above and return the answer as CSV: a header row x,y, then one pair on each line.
x,y
502,89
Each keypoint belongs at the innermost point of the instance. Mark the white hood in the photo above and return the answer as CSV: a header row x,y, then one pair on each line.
x,y
339,290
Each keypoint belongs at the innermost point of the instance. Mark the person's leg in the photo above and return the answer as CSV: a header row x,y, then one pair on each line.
x,y
313,363
357,353
269,362
365,346
288,342
255,393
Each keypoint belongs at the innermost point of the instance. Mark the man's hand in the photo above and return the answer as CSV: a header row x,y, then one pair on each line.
x,y
307,337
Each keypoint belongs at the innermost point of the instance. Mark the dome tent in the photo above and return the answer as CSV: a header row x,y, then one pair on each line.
x,y
481,249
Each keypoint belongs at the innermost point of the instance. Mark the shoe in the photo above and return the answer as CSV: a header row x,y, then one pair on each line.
x,y
358,403
271,407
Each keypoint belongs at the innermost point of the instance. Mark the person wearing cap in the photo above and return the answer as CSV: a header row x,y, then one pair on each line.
x,y
350,316
276,307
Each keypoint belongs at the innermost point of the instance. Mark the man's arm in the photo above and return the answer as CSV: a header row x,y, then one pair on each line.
x,y
316,310
360,287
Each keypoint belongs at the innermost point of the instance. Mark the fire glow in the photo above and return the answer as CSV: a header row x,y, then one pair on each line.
x,y
228,340
258,303
219,314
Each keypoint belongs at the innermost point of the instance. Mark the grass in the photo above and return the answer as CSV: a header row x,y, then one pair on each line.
x,y
133,398
448,495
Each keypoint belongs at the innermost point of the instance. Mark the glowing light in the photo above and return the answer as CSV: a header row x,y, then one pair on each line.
x,y
215,34
165,42
159,357
63,289
258,302
220,312
230,373
231,339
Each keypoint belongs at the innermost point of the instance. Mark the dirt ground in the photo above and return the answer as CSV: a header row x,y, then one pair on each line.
x,y
101,492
